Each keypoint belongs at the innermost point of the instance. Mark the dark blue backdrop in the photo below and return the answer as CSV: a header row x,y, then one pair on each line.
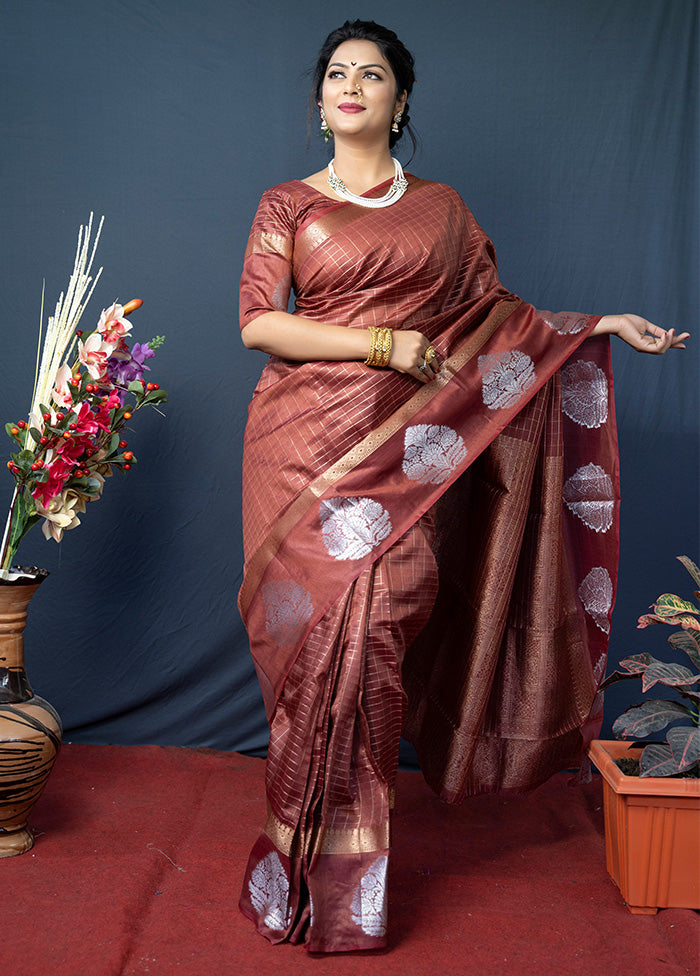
x,y
570,128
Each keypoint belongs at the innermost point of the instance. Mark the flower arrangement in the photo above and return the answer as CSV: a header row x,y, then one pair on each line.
x,y
86,390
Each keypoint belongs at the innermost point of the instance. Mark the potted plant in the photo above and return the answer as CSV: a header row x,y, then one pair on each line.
x,y
652,789
86,389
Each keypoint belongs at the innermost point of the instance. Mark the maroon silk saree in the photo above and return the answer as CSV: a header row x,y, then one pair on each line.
x,y
439,559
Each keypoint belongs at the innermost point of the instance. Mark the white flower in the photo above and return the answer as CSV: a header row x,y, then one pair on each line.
x,y
369,905
596,593
505,378
269,892
61,513
589,495
584,393
288,608
353,527
565,323
431,453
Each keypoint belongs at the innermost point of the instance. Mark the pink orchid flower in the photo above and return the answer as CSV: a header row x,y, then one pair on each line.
x,y
59,470
94,353
112,324
61,393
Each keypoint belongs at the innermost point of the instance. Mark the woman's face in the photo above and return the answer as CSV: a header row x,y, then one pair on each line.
x,y
359,92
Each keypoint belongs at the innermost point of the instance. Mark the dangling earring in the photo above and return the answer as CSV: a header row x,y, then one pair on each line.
x,y
395,124
326,130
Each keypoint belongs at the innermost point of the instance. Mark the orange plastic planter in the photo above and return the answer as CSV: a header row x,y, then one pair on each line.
x,y
652,833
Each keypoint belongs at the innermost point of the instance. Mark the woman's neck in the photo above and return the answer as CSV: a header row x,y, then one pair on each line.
x,y
361,169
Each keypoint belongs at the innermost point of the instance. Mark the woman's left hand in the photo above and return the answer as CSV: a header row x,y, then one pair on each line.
x,y
642,335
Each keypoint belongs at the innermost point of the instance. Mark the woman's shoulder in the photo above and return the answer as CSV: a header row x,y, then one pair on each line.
x,y
443,190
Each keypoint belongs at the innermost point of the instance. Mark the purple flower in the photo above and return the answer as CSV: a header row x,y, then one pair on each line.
x,y
124,366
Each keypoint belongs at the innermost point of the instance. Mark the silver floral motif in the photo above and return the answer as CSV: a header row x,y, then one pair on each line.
x,y
269,892
565,323
431,453
584,393
369,906
589,495
288,608
505,378
596,592
353,527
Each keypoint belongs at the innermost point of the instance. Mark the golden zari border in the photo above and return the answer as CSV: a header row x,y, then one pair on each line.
x,y
355,840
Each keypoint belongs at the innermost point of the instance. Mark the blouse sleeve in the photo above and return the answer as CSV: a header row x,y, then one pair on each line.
x,y
267,269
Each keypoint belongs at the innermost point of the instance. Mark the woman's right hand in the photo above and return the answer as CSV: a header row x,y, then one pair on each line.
x,y
408,351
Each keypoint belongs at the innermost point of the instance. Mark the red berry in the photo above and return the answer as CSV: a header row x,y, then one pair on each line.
x,y
35,466
78,473
43,440
46,416
127,415
127,467
155,386
60,416
14,431
66,435
10,465
72,426
21,424
149,386
122,444
128,455
78,332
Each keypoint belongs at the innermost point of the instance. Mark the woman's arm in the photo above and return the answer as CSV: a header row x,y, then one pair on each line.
x,y
641,335
305,340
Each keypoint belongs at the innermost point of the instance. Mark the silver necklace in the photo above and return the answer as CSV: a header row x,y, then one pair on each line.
x,y
397,189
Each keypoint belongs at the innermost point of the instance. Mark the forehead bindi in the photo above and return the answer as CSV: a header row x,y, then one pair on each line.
x,y
358,54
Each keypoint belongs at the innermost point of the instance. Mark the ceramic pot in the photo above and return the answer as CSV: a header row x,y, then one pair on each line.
x,y
652,833
30,729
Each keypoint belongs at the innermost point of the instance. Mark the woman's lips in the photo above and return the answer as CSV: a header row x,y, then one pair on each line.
x,y
350,107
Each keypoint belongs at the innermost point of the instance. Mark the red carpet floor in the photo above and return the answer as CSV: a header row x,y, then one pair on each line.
x,y
140,851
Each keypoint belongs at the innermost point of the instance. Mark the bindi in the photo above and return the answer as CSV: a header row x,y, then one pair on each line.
x,y
353,63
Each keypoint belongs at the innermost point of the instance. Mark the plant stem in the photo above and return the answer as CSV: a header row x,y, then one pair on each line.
x,y
5,552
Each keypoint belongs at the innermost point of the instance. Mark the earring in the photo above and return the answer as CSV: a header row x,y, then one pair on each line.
x,y
326,130
395,123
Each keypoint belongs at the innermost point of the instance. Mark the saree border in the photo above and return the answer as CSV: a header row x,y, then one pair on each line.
x,y
357,455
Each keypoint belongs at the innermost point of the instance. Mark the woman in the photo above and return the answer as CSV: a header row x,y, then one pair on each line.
x,y
409,561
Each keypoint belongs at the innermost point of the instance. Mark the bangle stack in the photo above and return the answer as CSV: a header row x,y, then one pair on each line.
x,y
380,341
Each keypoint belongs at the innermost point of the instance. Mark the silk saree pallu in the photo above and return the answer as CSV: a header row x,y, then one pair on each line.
x,y
439,559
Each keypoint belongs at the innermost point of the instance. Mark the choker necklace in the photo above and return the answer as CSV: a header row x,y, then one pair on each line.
x,y
395,192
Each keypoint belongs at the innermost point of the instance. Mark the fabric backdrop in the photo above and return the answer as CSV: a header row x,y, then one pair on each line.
x,y
571,130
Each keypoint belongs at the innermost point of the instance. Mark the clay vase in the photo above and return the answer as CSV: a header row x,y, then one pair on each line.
x,y
30,729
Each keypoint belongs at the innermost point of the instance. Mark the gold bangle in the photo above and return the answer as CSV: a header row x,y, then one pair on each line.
x,y
380,343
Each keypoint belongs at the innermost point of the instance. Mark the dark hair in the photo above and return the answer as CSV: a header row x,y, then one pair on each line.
x,y
399,57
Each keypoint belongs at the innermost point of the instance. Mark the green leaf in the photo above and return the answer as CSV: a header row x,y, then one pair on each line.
x,y
641,720
135,386
647,619
8,431
36,434
156,396
691,567
26,456
690,643
670,605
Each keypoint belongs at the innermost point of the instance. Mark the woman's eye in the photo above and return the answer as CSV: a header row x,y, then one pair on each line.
x,y
336,74
372,74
